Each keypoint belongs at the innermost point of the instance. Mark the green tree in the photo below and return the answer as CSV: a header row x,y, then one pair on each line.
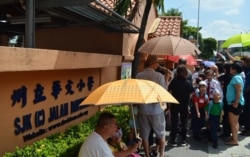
x,y
172,12
209,46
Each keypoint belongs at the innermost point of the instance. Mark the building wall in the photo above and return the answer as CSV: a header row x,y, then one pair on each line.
x,y
37,84
130,40
41,91
81,39
3,40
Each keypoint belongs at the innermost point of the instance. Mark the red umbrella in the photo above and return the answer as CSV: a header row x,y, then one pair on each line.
x,y
190,59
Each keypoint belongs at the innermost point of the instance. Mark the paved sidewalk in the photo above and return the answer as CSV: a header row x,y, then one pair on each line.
x,y
205,149
243,150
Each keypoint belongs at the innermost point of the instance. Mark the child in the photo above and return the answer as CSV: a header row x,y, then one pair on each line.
x,y
116,144
200,100
213,113
212,84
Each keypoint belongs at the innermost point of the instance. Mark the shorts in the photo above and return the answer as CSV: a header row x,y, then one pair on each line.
x,y
155,122
236,111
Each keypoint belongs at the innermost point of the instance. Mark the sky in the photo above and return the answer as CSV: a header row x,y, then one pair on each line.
x,y
219,19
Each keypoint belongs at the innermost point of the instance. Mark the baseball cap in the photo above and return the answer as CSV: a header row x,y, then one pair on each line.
x,y
216,91
202,83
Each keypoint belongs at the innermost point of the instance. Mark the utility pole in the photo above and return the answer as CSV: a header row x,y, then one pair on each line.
x,y
198,20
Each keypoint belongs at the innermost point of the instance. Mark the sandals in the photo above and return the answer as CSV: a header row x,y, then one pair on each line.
x,y
230,143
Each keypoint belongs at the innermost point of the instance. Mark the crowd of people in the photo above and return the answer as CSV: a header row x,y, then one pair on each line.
x,y
210,96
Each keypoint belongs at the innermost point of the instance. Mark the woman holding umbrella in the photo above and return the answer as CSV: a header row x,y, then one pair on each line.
x,y
236,101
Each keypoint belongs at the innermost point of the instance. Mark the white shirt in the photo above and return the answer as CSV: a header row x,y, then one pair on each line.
x,y
195,76
214,84
95,146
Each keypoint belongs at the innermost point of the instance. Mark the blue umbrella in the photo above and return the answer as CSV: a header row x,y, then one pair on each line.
x,y
208,63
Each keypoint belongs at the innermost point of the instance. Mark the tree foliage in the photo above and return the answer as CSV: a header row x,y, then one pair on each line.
x,y
172,12
209,46
122,6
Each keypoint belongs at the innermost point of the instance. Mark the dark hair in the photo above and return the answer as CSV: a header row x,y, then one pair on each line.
x,y
105,118
247,59
182,61
238,66
182,72
150,60
197,68
161,70
227,67
220,67
202,64
202,75
209,71
197,80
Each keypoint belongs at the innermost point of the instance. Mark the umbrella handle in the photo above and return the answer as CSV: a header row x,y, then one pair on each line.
x,y
133,116
162,104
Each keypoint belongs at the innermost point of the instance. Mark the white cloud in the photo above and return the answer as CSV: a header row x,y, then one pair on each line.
x,y
220,30
217,4
219,19
192,22
232,12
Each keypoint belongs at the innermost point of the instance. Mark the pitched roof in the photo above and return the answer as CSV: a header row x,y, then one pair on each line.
x,y
65,14
165,25
111,5
117,21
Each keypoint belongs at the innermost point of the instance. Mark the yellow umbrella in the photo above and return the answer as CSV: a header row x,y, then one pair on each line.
x,y
129,91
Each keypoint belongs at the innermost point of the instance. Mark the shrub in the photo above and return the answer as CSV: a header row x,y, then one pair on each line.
x,y
67,144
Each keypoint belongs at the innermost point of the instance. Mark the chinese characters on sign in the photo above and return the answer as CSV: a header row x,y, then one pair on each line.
x,y
20,94
40,117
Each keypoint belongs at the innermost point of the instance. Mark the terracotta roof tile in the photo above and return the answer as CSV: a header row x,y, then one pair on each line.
x,y
166,25
111,5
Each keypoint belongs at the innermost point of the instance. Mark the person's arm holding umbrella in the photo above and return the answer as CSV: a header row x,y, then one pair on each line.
x,y
215,70
130,150
232,59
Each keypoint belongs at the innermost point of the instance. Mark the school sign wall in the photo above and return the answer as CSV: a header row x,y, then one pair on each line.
x,y
41,92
